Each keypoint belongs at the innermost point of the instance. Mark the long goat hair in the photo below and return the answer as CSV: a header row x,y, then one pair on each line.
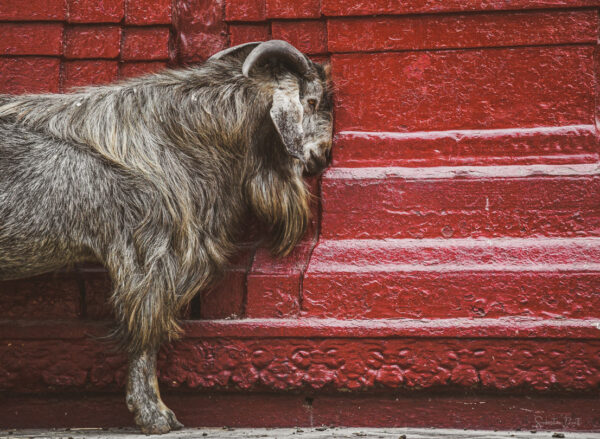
x,y
154,178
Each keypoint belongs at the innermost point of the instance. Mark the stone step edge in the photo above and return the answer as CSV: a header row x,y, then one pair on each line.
x,y
461,328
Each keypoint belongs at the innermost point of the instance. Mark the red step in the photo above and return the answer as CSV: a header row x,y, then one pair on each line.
x,y
436,278
451,202
540,145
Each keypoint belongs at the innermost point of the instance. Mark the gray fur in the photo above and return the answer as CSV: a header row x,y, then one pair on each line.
x,y
153,178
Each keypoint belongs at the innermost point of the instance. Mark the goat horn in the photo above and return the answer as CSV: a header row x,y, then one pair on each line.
x,y
276,49
232,50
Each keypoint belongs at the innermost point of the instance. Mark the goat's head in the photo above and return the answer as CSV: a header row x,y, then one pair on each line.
x,y
301,108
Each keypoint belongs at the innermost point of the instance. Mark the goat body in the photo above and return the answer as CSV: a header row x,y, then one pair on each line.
x,y
153,177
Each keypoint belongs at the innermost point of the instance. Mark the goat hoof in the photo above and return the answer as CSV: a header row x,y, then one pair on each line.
x,y
158,421
158,426
173,422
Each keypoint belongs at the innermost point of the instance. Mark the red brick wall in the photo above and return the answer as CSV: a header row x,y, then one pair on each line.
x,y
464,190
52,46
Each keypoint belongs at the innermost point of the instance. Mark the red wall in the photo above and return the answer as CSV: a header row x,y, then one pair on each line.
x,y
451,274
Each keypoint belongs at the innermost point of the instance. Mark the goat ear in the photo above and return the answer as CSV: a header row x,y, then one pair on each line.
x,y
286,114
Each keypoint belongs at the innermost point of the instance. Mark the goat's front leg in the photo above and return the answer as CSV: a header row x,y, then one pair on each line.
x,y
143,397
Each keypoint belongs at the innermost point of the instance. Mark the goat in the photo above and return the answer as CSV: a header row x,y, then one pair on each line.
x,y
153,177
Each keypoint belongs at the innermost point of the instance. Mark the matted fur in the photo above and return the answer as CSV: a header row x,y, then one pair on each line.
x,y
153,177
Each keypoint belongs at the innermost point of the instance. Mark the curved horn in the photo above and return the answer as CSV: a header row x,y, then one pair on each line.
x,y
232,50
276,49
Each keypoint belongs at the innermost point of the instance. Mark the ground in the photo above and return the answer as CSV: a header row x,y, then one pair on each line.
x,y
293,433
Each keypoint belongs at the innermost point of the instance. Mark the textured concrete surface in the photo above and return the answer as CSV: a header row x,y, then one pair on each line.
x,y
303,433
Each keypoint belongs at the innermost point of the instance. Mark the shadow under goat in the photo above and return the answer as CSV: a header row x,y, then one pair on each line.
x,y
153,177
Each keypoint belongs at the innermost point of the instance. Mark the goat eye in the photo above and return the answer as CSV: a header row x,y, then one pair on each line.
x,y
312,103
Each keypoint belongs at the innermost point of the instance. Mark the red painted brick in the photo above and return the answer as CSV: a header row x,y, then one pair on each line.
x,y
29,75
307,36
51,296
474,89
245,33
96,11
482,201
33,10
146,44
274,284
245,10
201,29
131,69
293,8
31,39
226,298
371,7
93,42
489,294
98,288
80,73
569,144
458,31
147,12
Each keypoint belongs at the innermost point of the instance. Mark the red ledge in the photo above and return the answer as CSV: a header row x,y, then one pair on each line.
x,y
205,409
538,145
513,327
492,355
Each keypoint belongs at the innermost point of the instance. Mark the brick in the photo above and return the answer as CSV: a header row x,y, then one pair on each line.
x,y
131,69
293,8
148,12
567,144
29,75
96,11
245,10
98,288
80,73
308,36
145,44
93,42
372,7
226,298
460,31
33,10
31,38
245,33
274,284
50,296
201,29
474,89
460,202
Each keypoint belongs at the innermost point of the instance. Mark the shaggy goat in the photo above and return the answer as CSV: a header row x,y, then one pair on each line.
x,y
153,177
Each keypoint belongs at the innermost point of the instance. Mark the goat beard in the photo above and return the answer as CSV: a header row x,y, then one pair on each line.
x,y
282,204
